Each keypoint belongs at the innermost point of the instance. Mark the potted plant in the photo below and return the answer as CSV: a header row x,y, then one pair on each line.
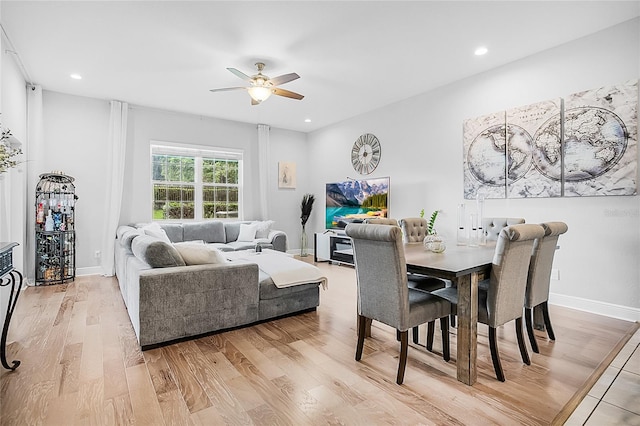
x,y
433,241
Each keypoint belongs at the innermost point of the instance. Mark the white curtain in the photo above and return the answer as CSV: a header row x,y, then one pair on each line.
x,y
117,144
263,169
35,152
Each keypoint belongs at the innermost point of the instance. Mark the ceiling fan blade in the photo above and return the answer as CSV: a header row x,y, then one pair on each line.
x,y
287,93
225,89
240,74
285,78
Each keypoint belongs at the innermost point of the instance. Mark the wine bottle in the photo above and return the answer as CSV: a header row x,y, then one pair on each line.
x,y
48,224
40,214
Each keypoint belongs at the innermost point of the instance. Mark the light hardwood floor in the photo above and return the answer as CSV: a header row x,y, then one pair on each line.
x,y
81,365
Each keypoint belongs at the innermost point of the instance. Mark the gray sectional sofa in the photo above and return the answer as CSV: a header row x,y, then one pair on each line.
x,y
168,300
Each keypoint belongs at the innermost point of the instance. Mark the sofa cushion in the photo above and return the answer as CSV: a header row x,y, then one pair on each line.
x,y
268,289
155,252
247,245
232,229
194,253
174,231
153,229
123,229
247,232
210,231
263,228
222,246
126,238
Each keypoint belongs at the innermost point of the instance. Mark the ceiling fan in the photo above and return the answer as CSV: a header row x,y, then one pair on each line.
x,y
262,86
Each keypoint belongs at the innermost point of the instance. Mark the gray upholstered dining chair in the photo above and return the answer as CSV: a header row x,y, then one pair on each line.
x,y
501,301
383,293
493,225
380,221
539,280
414,229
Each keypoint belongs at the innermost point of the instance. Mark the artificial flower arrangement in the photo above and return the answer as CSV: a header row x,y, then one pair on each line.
x,y
8,153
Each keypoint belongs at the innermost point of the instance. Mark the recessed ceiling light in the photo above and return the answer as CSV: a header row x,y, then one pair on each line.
x,y
307,120
481,51
76,76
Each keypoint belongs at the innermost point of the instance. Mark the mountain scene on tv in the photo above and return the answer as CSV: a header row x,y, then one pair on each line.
x,y
355,200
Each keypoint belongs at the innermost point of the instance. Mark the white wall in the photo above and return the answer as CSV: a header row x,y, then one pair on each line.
x,y
147,125
75,133
421,142
284,203
13,100
12,197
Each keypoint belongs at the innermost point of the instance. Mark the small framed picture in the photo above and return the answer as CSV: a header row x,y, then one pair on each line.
x,y
286,174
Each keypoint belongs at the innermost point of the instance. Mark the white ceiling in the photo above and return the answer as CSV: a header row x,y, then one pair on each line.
x,y
352,57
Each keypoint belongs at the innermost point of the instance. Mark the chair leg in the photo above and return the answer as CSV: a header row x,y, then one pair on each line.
x,y
444,325
521,344
402,364
452,320
362,325
528,313
431,325
495,357
415,335
547,320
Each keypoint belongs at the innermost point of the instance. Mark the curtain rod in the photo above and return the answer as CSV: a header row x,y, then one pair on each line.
x,y
12,50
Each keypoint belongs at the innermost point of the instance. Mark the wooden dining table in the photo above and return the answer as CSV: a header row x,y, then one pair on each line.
x,y
465,266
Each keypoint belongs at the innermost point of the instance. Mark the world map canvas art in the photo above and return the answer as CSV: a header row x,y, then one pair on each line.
x,y
484,156
524,152
601,141
534,150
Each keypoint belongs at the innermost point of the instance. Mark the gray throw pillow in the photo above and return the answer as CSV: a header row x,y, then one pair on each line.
x,y
211,231
155,252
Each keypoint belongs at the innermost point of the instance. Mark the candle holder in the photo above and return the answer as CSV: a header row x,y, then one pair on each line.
x,y
461,236
473,230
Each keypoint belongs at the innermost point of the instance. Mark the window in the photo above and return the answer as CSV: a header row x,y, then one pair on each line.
x,y
195,183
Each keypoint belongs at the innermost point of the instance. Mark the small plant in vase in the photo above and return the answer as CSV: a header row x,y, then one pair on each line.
x,y
433,241
305,212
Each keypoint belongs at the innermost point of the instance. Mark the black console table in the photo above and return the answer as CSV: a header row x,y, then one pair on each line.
x,y
8,275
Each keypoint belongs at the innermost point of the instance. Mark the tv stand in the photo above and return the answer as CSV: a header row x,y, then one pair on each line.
x,y
333,246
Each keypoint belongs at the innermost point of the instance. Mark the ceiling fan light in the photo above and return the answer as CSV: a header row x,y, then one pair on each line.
x,y
259,93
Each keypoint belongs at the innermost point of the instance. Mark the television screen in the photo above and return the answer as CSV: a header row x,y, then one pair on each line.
x,y
355,200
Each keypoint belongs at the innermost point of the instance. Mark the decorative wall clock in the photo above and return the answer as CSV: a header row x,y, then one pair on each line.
x,y
365,154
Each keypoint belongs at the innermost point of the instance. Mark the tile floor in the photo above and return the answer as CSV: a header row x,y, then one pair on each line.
x,y
615,398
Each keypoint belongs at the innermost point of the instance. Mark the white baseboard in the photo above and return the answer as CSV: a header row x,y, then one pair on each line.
x,y
596,307
92,270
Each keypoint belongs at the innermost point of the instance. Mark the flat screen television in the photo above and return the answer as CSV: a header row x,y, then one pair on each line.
x,y
352,201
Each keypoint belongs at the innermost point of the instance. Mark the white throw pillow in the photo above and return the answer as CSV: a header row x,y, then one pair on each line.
x,y
194,253
247,232
263,228
154,230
